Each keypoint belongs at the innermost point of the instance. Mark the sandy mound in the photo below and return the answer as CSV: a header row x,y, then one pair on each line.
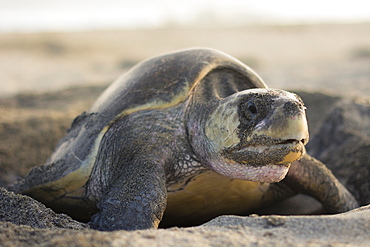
x,y
23,210
34,123
343,144
349,229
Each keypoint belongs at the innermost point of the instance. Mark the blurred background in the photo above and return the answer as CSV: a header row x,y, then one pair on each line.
x,y
317,45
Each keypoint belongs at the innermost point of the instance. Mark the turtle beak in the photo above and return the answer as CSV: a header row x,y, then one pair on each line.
x,y
287,122
295,134
286,126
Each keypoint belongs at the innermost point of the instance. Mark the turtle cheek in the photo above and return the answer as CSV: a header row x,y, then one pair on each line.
x,y
222,127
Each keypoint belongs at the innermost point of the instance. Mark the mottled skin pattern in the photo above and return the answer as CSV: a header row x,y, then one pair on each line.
x,y
147,189
182,137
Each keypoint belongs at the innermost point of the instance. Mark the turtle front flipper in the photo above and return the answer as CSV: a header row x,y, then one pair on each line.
x,y
312,177
136,200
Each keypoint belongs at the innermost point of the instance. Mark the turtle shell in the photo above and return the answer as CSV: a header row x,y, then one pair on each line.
x,y
159,82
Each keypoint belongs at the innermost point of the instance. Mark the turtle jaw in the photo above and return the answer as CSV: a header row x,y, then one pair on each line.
x,y
266,155
280,153
263,163
267,173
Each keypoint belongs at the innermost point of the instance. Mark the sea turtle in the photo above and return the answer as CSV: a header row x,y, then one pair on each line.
x,y
182,138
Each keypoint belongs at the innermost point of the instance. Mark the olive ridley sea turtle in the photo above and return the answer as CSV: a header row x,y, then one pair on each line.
x,y
179,139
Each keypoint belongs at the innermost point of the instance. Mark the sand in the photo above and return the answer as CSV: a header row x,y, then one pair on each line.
x,y
49,229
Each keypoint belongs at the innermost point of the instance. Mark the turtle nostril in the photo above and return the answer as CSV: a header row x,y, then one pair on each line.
x,y
292,108
304,141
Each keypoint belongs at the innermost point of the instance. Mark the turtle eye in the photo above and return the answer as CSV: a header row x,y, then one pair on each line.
x,y
252,108
248,112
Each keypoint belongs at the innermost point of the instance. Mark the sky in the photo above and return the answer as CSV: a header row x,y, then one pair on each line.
x,y
69,15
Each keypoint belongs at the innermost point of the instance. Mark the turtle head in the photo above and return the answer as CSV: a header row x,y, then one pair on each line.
x,y
255,134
